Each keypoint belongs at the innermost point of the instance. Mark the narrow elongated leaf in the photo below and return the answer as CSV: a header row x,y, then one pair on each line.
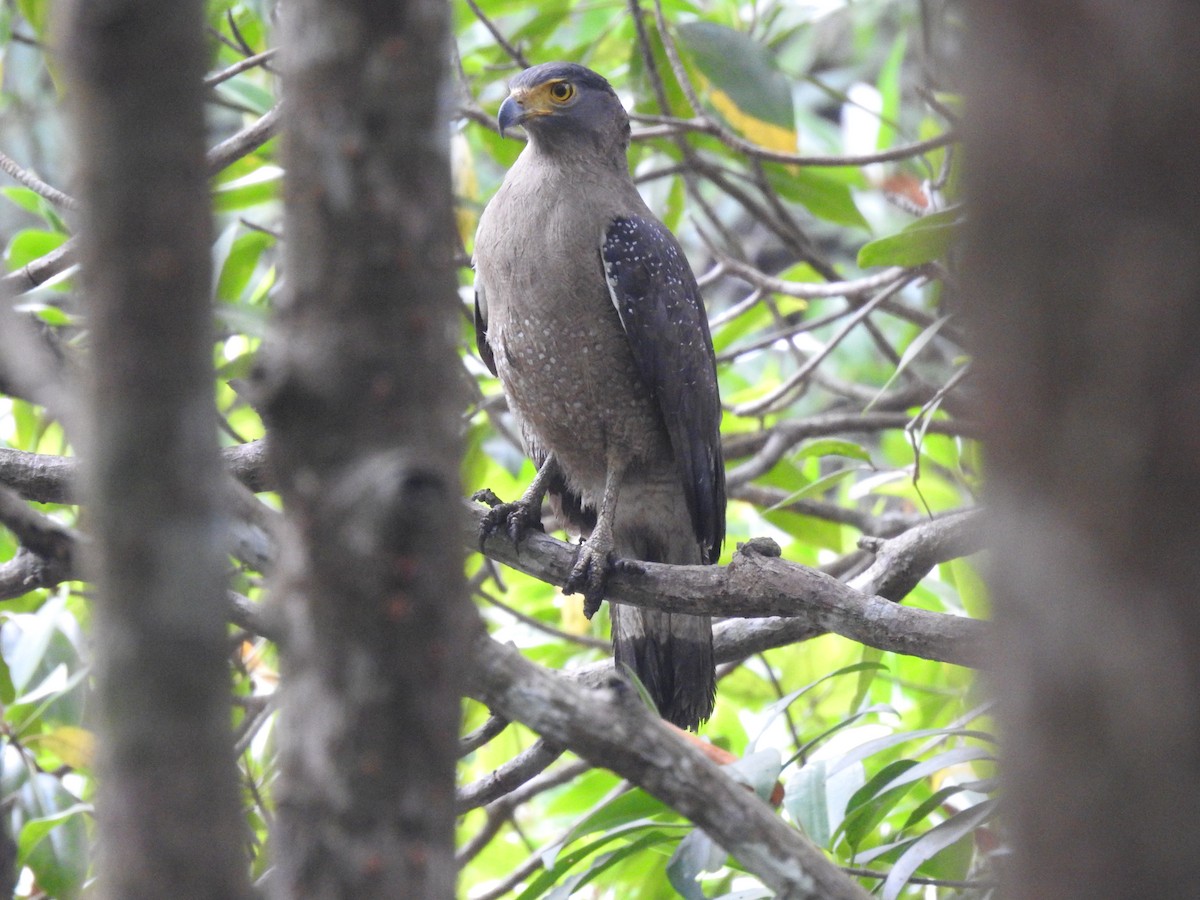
x,y
833,447
889,92
870,748
260,186
635,806
773,711
805,800
933,842
910,353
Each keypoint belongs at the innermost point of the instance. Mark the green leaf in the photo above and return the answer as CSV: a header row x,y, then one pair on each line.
x,y
914,348
57,855
821,447
35,830
606,861
864,819
563,863
240,263
923,241
889,91
697,853
772,712
245,92
36,204
819,486
931,843
870,748
739,79
872,666
29,244
260,186
758,770
805,801
36,630
635,806
824,196
36,13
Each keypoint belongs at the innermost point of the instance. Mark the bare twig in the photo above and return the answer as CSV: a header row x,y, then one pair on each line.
x,y
517,771
240,66
776,396
517,56
35,184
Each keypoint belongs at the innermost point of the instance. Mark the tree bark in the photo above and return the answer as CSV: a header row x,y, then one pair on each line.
x,y
168,807
359,389
1083,273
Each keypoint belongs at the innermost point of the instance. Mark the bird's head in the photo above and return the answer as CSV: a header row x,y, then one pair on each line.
x,y
564,105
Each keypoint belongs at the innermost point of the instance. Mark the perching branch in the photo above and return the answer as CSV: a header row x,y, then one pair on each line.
x,y
614,730
757,584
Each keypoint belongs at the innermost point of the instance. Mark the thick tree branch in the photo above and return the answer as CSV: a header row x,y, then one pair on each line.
x,y
760,585
614,730
807,601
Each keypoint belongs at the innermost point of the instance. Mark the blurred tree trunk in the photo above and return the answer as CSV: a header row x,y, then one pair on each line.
x,y
359,389
168,807
1084,280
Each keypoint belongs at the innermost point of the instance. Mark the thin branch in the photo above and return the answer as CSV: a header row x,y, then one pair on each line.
x,y
241,66
666,126
797,378
769,445
493,726
218,158
530,762
498,36
35,184
811,290
245,141
501,811
36,531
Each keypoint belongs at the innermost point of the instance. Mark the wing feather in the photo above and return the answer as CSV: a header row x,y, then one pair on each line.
x,y
658,301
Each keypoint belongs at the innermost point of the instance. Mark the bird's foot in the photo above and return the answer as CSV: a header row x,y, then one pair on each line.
x,y
593,560
515,519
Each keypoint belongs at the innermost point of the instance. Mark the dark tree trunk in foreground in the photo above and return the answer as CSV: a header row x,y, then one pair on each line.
x,y
360,396
1084,277
168,808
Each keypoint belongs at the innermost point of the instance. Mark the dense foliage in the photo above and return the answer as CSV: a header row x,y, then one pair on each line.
x,y
804,155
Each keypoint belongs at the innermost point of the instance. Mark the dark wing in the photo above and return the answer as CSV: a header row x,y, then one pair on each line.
x,y
656,296
481,344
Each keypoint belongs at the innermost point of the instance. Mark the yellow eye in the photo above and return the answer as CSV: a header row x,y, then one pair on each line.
x,y
561,91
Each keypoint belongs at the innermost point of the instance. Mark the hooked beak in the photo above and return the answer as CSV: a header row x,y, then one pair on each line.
x,y
520,106
511,113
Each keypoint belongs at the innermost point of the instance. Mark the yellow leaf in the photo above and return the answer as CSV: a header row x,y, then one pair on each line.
x,y
765,134
76,747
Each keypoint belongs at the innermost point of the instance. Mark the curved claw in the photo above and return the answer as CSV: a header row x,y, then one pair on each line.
x,y
588,576
515,519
